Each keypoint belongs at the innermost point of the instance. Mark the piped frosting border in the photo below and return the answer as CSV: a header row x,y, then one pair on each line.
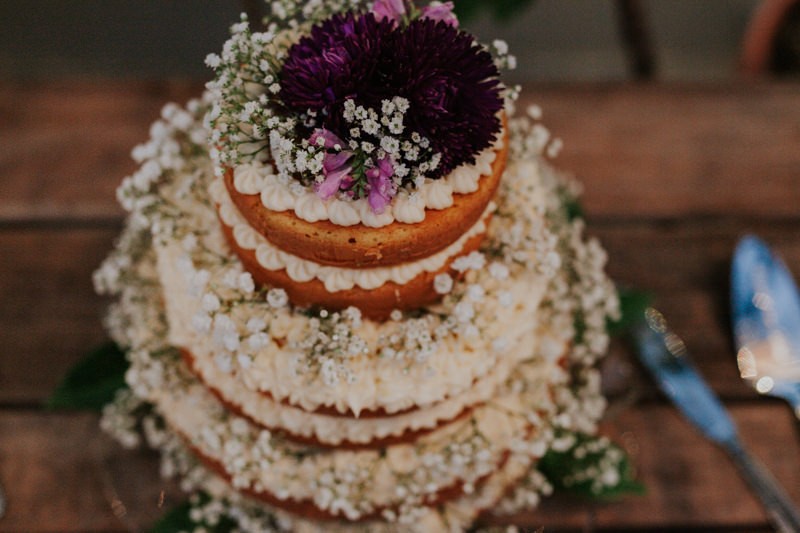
x,y
281,194
335,279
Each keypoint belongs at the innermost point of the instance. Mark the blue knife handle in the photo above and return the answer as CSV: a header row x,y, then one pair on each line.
x,y
684,386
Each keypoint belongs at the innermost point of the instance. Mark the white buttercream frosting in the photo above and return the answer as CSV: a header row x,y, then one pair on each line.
x,y
333,430
276,197
335,278
258,178
439,194
340,212
409,208
249,179
312,206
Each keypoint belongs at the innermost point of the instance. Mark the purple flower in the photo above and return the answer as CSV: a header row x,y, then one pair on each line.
x,y
453,89
450,81
337,169
381,187
440,11
335,166
337,61
393,10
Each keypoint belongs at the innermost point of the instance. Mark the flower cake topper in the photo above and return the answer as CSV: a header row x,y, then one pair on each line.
x,y
369,99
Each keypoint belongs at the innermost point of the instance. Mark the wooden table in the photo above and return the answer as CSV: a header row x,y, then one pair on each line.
x,y
673,176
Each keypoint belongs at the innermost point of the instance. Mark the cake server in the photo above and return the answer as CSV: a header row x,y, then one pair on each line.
x,y
664,354
765,309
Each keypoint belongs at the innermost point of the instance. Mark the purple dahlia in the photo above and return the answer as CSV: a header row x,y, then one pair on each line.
x,y
453,89
337,61
450,81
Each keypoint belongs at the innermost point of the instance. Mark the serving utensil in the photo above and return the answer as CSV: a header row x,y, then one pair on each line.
x,y
765,309
664,354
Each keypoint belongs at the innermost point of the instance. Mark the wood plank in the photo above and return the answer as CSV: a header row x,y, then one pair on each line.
x,y
691,484
690,254
49,314
61,473
675,150
51,469
65,145
642,150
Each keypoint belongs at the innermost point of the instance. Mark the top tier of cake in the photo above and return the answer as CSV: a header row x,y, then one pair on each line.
x,y
359,152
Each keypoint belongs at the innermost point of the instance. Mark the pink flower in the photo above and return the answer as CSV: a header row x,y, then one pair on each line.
x,y
393,10
440,11
336,168
381,187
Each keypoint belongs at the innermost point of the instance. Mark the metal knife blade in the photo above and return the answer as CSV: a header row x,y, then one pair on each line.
x,y
765,309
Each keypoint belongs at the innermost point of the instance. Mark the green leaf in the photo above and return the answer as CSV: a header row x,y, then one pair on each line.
x,y
632,304
176,519
573,208
576,469
92,382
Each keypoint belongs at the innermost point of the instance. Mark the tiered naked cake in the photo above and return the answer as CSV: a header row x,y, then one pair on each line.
x,y
350,287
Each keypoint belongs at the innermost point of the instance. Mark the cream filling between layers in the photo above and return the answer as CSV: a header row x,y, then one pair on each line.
x,y
333,430
335,279
284,195
508,420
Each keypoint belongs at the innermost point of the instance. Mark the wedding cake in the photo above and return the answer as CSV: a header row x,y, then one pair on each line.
x,y
351,288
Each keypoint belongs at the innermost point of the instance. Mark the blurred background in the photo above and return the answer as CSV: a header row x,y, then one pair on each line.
x,y
555,40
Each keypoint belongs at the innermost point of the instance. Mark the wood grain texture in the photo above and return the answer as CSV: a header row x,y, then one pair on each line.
x,y
49,314
662,151
65,146
62,474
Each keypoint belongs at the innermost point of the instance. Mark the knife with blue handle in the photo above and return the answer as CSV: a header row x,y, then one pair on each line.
x,y
664,355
